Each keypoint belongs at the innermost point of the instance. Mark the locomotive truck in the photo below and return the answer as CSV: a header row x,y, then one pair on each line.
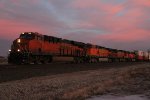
x,y
32,47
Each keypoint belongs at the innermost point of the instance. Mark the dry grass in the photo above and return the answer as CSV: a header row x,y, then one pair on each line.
x,y
3,60
80,85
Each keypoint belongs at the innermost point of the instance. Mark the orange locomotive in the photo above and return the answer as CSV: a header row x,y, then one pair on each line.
x,y
32,47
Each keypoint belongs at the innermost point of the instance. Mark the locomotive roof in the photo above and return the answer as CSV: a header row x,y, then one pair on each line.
x,y
47,38
35,33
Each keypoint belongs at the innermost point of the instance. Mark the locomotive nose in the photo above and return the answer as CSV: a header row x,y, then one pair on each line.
x,y
20,45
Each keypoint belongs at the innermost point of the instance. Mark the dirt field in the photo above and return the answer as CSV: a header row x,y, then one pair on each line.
x,y
73,82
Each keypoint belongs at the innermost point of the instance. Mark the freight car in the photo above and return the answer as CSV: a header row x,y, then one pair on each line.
x,y
32,47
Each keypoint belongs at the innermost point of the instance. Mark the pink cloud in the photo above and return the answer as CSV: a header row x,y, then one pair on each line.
x,y
130,36
118,28
83,20
142,2
98,6
11,29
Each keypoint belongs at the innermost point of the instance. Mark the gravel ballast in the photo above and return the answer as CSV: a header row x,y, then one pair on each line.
x,y
129,80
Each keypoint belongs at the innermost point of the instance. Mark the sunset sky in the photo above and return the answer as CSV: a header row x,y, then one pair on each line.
x,y
121,24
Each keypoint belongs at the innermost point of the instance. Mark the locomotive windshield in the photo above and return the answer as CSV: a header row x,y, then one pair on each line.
x,y
27,36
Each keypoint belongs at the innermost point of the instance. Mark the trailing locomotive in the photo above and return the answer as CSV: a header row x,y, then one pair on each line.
x,y
32,47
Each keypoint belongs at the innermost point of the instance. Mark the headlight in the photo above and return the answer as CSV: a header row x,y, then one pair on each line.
x,y
18,40
18,50
9,50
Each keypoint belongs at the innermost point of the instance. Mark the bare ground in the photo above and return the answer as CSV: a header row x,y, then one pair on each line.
x,y
3,61
18,72
129,79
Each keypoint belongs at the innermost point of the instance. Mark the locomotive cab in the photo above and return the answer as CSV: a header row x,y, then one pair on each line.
x,y
27,35
21,43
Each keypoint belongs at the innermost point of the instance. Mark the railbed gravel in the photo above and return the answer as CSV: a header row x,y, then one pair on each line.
x,y
134,79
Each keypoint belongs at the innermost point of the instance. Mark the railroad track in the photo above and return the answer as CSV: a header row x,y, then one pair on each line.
x,y
17,72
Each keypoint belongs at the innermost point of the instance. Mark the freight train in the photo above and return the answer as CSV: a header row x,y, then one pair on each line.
x,y
32,47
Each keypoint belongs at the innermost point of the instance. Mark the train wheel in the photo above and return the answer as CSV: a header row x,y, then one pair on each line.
x,y
42,61
50,59
37,60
